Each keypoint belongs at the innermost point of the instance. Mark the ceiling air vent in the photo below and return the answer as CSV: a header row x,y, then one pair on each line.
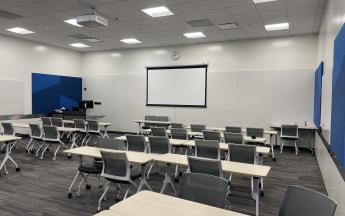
x,y
8,15
200,23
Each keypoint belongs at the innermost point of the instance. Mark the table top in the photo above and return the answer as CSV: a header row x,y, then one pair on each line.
x,y
110,213
133,157
6,138
147,203
254,140
172,141
152,122
99,123
63,129
308,127
222,129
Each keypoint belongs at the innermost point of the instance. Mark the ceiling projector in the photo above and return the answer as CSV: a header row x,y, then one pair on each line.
x,y
92,21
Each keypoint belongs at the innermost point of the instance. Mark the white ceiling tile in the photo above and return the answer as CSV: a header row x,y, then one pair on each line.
x,y
244,9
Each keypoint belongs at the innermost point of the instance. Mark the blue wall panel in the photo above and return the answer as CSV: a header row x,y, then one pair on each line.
x,y
338,98
318,95
50,92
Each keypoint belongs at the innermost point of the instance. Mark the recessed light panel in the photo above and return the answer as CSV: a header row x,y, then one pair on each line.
x,y
278,26
262,1
93,40
227,26
79,45
130,41
19,30
73,22
158,11
194,35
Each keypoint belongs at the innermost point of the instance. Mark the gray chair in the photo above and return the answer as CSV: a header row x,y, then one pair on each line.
x,y
58,122
212,135
116,170
179,133
207,149
82,133
300,201
197,127
51,137
136,143
176,125
158,131
243,154
110,143
163,118
255,132
203,188
234,138
289,133
93,130
205,166
149,118
158,145
9,130
46,121
36,137
233,129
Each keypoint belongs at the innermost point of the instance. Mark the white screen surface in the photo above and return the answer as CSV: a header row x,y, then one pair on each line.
x,y
177,86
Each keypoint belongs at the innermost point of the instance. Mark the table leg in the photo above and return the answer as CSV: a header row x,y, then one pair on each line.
x,y
143,180
8,157
105,135
257,198
168,181
140,128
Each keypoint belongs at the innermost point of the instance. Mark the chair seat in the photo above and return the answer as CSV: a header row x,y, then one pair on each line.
x,y
90,169
133,177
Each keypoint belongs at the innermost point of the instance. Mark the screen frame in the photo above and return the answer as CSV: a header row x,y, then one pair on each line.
x,y
177,67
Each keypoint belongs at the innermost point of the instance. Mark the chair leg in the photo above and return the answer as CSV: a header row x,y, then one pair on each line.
x,y
56,151
103,195
148,172
296,148
282,146
44,150
252,185
99,181
81,183
38,149
70,187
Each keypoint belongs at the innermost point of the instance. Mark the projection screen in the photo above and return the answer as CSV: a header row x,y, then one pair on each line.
x,y
176,86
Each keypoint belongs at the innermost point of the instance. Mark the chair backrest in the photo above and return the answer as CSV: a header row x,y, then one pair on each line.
x,y
235,138
8,128
51,133
115,165
159,145
203,188
197,127
242,153
35,131
176,125
207,149
300,201
57,122
179,133
205,166
46,121
109,143
136,143
158,131
255,132
211,135
92,125
162,118
233,129
80,124
151,118
289,131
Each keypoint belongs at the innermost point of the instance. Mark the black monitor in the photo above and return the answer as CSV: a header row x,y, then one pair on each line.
x,y
86,104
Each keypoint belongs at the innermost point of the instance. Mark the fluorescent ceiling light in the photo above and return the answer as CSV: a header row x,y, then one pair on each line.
x,y
79,45
262,1
130,41
278,26
227,26
158,11
194,35
73,22
19,30
93,40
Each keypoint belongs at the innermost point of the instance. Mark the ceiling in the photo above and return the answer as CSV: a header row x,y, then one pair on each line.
x,y
45,17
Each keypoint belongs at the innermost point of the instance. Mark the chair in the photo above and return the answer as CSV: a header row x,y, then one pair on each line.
x,y
197,127
46,121
158,131
243,154
51,136
9,131
205,166
158,145
56,122
234,138
136,143
289,133
36,136
82,133
176,125
116,169
299,201
110,143
207,149
255,132
179,133
203,188
233,129
212,135
149,118
93,130
162,118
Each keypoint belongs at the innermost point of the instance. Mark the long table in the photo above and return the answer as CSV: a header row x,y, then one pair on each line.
x,y
101,124
252,170
7,140
147,203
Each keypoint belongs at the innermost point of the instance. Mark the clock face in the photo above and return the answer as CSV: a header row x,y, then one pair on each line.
x,y
175,55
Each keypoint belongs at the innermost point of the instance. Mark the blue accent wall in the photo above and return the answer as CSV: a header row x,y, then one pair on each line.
x,y
318,95
338,99
50,92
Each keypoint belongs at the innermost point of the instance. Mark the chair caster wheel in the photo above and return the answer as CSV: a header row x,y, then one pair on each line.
x,y
69,157
32,152
98,210
100,186
69,196
88,187
274,159
180,174
77,194
176,180
262,193
48,150
17,169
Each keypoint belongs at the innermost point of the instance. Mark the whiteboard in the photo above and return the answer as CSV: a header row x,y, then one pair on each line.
x,y
11,97
180,86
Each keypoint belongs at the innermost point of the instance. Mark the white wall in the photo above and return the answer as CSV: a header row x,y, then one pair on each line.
x,y
250,83
19,58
